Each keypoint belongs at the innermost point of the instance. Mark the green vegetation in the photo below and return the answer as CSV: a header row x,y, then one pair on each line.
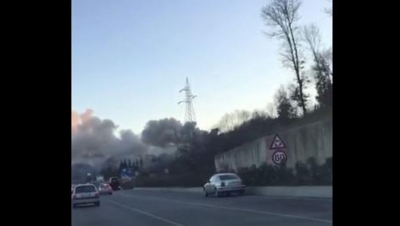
x,y
308,173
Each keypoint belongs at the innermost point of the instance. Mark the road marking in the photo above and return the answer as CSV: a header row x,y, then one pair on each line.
x,y
236,209
292,198
145,213
324,199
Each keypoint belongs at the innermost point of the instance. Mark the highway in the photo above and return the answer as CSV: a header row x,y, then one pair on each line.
x,y
162,208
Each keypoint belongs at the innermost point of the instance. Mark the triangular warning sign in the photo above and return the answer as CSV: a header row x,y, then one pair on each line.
x,y
277,143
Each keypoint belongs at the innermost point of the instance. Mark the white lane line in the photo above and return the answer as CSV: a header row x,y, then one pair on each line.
x,y
292,198
146,213
231,208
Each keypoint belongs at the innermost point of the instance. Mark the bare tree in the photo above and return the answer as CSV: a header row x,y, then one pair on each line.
x,y
282,16
321,57
329,11
326,54
312,37
322,69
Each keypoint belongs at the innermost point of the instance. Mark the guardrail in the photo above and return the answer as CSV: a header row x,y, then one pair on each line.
x,y
299,191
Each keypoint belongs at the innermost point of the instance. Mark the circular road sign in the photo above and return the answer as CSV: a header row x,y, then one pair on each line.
x,y
279,157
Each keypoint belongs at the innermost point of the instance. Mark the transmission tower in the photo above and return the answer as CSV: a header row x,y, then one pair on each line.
x,y
189,114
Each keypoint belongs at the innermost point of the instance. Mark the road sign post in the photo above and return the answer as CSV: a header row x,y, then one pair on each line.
x,y
277,143
278,151
279,157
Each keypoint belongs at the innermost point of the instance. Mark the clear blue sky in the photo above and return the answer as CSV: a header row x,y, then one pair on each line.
x,y
131,57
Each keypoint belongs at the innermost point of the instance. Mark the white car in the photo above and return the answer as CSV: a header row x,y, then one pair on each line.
x,y
224,183
85,194
105,189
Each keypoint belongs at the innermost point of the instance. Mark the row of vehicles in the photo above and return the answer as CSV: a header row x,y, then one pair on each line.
x,y
89,193
219,184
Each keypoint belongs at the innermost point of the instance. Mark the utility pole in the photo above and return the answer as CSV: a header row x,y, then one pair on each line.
x,y
189,113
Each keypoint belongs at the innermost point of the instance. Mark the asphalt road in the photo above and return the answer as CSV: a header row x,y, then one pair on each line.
x,y
156,208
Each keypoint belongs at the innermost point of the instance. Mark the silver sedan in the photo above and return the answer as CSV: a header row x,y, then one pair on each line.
x,y
224,183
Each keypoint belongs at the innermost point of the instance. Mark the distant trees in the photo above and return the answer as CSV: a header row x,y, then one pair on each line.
x,y
126,163
282,16
271,110
284,107
231,120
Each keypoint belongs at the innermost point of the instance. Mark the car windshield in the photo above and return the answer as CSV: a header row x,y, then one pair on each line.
x,y
104,186
84,189
228,177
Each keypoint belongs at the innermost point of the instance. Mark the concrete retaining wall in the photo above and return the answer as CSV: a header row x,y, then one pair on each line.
x,y
300,191
312,140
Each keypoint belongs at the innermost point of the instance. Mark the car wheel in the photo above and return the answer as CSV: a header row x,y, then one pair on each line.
x,y
110,193
74,206
205,193
97,203
241,193
218,194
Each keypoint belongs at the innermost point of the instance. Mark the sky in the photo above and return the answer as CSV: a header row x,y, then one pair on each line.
x,y
130,58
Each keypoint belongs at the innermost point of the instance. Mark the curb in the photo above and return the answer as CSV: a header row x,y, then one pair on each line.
x,y
278,191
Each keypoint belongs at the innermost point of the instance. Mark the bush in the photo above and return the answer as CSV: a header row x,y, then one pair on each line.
x,y
326,172
303,174
285,176
309,173
320,174
266,175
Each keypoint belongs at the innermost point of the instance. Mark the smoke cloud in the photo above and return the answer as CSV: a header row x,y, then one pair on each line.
x,y
162,132
94,141
74,121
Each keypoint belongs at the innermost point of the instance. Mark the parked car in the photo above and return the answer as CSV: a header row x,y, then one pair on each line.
x,y
224,183
105,189
85,194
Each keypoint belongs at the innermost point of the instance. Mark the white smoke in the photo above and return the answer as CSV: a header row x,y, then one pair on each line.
x,y
93,141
